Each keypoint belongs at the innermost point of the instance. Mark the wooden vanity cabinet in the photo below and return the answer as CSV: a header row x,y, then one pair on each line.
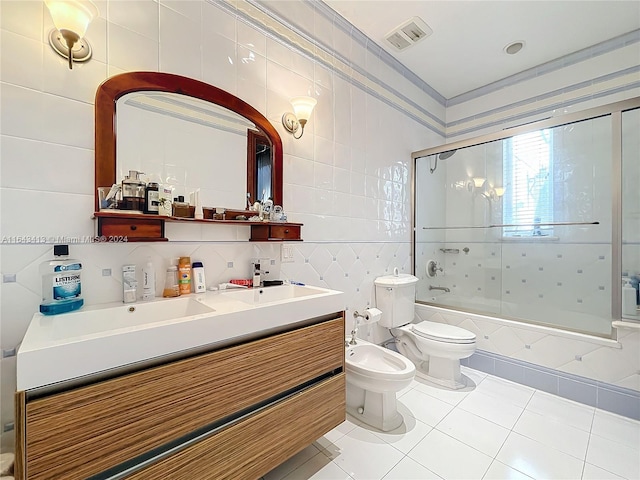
x,y
234,412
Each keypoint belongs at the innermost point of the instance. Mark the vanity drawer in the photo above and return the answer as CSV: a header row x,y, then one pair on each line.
x,y
253,447
130,229
86,430
274,232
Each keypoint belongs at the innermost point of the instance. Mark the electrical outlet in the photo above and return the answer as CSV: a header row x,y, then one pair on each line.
x,y
286,253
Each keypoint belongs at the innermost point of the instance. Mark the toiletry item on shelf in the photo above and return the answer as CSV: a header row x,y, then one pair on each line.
x,y
133,192
108,196
628,298
129,283
248,201
267,205
171,288
199,283
165,199
148,281
152,198
182,209
61,283
196,204
242,282
184,275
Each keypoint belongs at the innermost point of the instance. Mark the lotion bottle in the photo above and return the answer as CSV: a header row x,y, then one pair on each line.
x,y
148,281
184,275
199,283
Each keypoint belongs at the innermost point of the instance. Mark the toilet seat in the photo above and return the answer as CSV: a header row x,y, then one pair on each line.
x,y
442,332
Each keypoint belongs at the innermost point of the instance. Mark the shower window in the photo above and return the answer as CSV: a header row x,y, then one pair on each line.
x,y
528,173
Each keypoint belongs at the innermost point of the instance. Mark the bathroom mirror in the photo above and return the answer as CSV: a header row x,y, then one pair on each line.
x,y
187,133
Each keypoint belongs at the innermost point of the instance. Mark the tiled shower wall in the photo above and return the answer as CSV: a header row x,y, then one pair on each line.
x,y
347,179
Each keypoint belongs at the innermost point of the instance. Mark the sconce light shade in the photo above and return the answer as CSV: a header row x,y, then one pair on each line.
x,y
499,191
302,108
478,181
71,19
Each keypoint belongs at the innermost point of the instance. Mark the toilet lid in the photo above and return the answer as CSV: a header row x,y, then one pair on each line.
x,y
443,332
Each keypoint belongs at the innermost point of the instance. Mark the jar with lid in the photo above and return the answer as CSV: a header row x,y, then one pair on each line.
x,y
171,288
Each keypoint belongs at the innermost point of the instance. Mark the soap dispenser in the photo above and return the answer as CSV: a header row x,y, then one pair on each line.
x,y
133,192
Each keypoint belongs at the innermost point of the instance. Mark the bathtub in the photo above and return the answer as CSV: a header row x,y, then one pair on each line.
x,y
537,313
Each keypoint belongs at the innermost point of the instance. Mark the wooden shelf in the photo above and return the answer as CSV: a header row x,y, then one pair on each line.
x,y
138,227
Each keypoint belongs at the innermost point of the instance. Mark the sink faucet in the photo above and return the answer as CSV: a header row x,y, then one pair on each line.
x,y
444,289
256,273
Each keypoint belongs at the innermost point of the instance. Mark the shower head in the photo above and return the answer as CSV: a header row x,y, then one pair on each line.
x,y
447,154
442,156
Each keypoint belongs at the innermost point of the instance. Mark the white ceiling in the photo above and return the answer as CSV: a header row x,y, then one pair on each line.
x,y
465,51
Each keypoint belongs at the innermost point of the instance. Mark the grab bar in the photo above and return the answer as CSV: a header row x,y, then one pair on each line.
x,y
450,250
507,225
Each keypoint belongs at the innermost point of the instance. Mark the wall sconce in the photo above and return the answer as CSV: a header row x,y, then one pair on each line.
x,y
475,182
478,181
302,108
71,19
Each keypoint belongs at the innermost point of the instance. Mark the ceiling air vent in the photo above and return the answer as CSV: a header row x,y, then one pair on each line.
x,y
409,33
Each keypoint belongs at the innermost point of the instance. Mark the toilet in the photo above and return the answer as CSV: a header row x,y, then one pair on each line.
x,y
374,375
435,348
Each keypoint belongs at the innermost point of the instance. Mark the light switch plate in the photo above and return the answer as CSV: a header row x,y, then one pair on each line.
x,y
286,253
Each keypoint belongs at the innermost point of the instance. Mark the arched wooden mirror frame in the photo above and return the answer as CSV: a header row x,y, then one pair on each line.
x,y
105,119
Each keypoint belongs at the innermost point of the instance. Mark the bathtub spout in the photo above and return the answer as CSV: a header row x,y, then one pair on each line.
x,y
444,289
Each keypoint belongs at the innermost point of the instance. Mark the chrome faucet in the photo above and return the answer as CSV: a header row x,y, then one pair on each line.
x,y
444,289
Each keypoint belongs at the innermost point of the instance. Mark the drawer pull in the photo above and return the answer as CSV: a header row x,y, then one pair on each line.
x,y
286,231
133,227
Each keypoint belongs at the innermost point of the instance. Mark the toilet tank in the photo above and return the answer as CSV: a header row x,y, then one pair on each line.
x,y
395,297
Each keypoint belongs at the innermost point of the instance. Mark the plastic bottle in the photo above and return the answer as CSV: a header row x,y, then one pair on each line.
x,y
148,281
171,288
184,275
628,298
61,283
199,283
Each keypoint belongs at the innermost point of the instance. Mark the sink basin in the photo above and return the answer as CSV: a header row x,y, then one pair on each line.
x,y
272,294
101,340
91,321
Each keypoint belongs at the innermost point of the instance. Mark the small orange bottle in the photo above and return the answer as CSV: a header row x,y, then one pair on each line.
x,y
184,275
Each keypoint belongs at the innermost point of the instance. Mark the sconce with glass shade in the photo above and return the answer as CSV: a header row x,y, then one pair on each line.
x,y
71,19
302,108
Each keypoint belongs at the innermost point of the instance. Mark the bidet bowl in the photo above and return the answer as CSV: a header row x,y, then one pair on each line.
x,y
377,369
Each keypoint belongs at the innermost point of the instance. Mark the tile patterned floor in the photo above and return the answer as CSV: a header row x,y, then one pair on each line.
x,y
494,430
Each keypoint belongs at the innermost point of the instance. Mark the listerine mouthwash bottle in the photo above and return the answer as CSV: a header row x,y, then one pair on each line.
x,y
61,283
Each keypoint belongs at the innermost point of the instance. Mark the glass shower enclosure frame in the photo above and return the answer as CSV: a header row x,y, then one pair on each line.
x,y
530,223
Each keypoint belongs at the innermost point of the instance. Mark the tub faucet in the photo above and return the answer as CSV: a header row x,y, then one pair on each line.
x,y
444,289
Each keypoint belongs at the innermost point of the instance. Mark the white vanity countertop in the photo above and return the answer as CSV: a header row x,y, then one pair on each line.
x,y
100,338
